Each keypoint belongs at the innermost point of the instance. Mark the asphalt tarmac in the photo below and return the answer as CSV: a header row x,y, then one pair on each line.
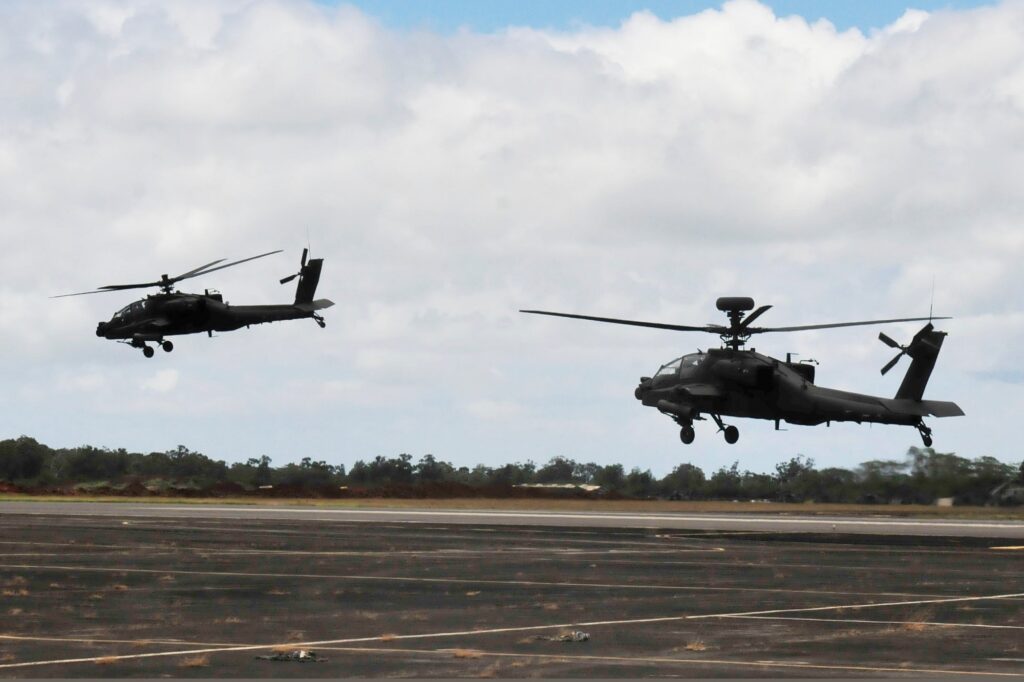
x,y
144,590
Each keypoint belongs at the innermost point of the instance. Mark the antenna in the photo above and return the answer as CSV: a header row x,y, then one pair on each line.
x,y
932,302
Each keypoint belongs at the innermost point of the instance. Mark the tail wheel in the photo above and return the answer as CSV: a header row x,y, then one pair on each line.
x,y
926,434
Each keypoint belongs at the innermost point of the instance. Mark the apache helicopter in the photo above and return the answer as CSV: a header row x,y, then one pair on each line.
x,y
735,382
172,312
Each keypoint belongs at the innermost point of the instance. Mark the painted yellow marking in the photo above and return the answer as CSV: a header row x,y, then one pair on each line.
x,y
554,657
875,605
886,622
655,548
1010,547
679,661
99,640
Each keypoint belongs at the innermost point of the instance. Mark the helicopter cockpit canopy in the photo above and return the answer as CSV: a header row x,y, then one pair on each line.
x,y
131,308
681,366
669,368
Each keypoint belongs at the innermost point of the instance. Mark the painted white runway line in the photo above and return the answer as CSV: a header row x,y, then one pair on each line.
x,y
528,628
432,580
888,523
435,516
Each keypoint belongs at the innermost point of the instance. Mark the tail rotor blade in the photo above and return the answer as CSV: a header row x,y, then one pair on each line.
x,y
887,340
289,278
305,252
892,363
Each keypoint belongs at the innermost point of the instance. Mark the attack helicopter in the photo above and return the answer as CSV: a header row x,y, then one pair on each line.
x,y
171,312
732,381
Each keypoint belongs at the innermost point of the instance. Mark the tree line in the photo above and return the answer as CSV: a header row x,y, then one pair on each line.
x,y
923,476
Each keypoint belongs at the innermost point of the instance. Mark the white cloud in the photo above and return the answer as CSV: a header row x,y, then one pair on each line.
x,y
494,409
449,180
162,381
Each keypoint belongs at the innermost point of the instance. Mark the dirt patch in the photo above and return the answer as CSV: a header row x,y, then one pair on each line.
x,y
200,661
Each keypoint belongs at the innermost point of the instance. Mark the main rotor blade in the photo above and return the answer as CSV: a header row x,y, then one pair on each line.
x,y
201,270
160,282
221,267
112,287
143,285
84,293
762,330
193,273
754,315
714,329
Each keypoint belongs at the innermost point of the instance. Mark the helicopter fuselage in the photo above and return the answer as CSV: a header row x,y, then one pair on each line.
x,y
745,383
734,382
169,314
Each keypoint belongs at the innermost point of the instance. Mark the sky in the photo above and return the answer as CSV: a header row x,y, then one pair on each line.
x,y
496,15
453,165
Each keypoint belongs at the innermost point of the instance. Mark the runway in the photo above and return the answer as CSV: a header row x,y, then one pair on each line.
x,y
194,591
879,524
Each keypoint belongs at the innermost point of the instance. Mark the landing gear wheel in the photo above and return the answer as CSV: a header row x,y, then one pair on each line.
x,y
926,434
148,351
686,435
732,434
167,346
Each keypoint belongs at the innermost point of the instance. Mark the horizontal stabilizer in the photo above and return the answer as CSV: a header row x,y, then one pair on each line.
x,y
318,304
923,408
943,408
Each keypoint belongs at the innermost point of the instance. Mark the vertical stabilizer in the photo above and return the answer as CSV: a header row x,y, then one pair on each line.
x,y
923,350
309,277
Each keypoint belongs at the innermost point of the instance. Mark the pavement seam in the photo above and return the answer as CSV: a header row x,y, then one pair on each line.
x,y
457,581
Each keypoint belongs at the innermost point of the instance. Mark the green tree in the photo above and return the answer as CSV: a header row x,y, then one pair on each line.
x,y
557,470
610,477
686,480
23,458
640,483
725,483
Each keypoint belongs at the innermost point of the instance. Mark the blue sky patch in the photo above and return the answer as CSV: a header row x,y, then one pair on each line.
x,y
493,15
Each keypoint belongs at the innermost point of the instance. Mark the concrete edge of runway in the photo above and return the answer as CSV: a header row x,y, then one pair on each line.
x,y
745,521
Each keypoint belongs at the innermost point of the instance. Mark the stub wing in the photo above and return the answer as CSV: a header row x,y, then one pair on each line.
x,y
700,391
